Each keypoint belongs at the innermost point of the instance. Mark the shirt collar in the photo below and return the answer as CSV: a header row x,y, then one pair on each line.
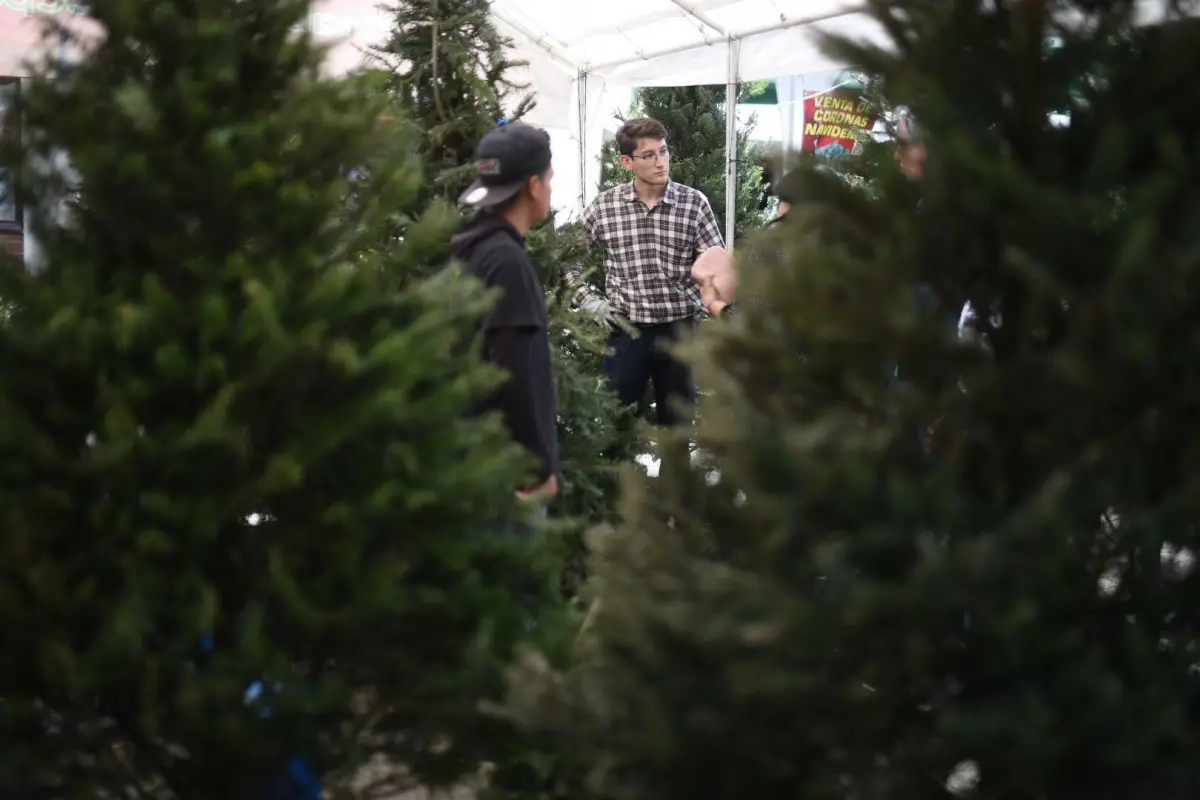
x,y
670,196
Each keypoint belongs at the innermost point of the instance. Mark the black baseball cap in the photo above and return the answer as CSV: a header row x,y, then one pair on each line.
x,y
506,159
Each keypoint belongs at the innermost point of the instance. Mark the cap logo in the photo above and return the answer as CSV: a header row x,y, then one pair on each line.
x,y
488,166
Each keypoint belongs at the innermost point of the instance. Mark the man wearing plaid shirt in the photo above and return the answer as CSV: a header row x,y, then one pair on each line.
x,y
652,231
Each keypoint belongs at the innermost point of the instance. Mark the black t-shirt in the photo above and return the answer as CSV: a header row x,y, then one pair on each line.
x,y
516,335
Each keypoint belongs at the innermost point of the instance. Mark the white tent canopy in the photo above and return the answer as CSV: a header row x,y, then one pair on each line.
x,y
585,57
680,42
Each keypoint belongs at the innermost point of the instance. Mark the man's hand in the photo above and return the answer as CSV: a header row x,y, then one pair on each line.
x,y
545,491
598,310
710,297
716,275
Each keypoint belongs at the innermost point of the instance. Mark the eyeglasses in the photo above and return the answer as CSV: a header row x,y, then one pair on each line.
x,y
661,155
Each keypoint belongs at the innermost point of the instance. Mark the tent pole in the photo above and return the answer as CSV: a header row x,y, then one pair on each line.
x,y
731,149
581,90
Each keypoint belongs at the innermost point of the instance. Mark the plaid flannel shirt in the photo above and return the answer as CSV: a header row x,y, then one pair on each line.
x,y
648,253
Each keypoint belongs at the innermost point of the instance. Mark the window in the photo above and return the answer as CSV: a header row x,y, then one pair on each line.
x,y
10,211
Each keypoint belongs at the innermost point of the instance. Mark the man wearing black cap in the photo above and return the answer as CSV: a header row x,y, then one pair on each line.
x,y
512,194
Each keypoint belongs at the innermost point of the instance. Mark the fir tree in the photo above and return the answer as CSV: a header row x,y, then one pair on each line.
x,y
852,612
232,457
450,71
695,120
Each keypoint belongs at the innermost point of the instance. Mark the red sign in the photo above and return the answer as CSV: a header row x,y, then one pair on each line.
x,y
834,124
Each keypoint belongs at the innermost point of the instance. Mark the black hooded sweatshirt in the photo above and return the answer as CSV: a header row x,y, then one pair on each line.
x,y
515,335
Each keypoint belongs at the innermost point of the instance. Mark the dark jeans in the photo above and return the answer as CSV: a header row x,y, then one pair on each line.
x,y
634,361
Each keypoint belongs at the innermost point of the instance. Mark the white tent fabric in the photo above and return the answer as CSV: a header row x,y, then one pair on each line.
x,y
681,42
613,45
596,52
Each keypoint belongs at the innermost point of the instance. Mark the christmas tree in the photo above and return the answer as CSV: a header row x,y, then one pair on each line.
x,y
450,68
249,520
999,609
694,117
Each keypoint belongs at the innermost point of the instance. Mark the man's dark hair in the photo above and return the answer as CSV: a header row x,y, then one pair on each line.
x,y
634,130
